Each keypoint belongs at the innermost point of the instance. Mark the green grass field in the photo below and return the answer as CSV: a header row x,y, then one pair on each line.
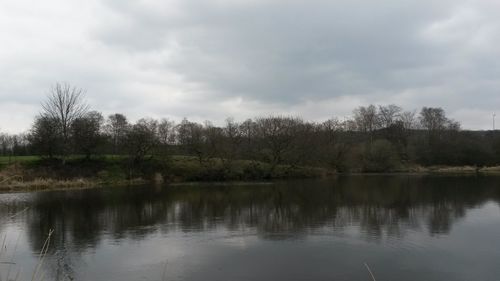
x,y
5,160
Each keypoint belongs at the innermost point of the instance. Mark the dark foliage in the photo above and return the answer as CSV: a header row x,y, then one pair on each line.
x,y
376,139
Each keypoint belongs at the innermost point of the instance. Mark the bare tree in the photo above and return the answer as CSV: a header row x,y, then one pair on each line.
x,y
388,114
7,144
116,129
331,129
166,132
4,144
65,104
441,136
277,134
233,136
366,119
86,133
433,119
247,147
334,149
407,118
142,139
166,138
45,136
190,137
213,138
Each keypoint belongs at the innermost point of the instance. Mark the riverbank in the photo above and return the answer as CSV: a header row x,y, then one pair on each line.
x,y
55,184
455,170
30,173
39,174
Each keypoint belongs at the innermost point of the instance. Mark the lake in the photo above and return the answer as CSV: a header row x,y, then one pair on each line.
x,y
402,227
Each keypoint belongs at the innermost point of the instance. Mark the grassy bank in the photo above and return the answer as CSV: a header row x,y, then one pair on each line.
x,y
455,170
33,173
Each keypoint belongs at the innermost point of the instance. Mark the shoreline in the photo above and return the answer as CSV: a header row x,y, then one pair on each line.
x,y
76,184
50,184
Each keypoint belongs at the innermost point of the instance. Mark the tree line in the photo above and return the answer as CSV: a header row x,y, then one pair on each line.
x,y
376,138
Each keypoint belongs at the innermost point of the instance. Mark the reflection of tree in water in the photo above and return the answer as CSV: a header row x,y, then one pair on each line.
x,y
380,206
10,210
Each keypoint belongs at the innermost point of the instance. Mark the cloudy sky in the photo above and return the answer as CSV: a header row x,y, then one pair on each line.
x,y
241,58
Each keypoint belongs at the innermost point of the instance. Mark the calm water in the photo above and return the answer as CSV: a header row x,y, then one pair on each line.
x,y
404,227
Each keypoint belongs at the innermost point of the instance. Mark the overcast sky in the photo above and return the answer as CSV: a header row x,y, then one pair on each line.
x,y
242,58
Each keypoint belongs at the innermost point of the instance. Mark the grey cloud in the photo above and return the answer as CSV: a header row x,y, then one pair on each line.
x,y
195,58
288,51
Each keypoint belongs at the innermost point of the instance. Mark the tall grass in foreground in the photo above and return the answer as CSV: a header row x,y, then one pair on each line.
x,y
370,271
13,271
6,261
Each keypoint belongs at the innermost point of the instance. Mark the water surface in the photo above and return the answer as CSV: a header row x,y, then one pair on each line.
x,y
404,227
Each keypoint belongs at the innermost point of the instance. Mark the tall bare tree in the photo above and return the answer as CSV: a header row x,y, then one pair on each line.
x,y
433,119
366,119
190,136
142,139
65,104
277,134
388,114
116,128
407,118
166,132
333,147
166,138
86,133
234,136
